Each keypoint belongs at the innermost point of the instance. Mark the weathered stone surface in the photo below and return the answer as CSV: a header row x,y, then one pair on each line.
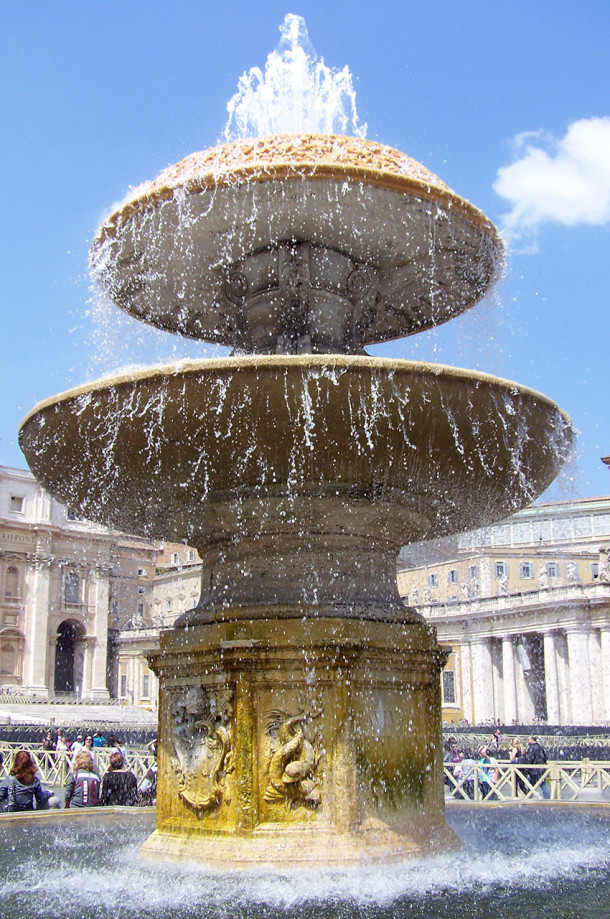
x,y
319,732
167,253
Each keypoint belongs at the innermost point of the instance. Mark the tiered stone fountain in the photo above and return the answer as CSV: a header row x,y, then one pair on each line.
x,y
300,700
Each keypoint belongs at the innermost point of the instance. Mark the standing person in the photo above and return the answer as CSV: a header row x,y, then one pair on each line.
x,y
89,747
23,787
451,756
48,743
62,751
119,785
448,758
147,790
83,785
77,746
488,772
517,756
117,747
99,740
535,755
61,744
496,741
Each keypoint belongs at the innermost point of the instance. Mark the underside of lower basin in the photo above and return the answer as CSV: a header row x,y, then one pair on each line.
x,y
298,479
190,451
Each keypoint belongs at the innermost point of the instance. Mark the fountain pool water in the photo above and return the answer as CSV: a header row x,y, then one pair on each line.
x,y
299,719
515,864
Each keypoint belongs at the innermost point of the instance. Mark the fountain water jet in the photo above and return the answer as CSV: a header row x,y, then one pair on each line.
x,y
300,700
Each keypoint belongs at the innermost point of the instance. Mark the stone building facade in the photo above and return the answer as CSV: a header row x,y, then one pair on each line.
x,y
525,608
175,587
61,581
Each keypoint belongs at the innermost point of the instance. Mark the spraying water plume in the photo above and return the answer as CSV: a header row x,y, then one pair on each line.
x,y
296,93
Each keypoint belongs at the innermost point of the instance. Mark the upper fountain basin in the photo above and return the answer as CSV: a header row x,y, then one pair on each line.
x,y
200,450
306,242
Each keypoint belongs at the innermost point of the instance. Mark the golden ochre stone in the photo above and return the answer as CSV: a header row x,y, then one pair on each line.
x,y
292,741
281,156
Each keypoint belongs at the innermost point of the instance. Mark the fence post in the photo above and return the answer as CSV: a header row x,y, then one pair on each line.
x,y
554,773
585,772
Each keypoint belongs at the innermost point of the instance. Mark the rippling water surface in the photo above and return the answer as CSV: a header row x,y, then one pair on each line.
x,y
515,863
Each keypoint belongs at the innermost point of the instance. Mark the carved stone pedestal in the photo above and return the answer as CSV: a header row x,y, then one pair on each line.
x,y
297,742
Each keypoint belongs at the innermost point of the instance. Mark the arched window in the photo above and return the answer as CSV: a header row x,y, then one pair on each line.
x,y
11,587
72,588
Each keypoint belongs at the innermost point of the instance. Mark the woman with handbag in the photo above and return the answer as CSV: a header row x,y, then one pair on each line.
x,y
22,786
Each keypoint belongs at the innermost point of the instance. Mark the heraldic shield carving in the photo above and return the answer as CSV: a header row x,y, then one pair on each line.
x,y
202,756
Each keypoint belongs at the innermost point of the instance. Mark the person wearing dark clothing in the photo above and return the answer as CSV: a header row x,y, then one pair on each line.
x,y
83,785
48,743
517,756
119,785
535,755
22,787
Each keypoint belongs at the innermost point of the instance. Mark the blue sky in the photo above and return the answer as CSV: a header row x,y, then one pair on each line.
x,y
507,101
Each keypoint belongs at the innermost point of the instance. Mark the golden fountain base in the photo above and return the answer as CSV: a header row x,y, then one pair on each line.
x,y
296,742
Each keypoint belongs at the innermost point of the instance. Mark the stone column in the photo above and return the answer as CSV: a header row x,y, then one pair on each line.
x,y
36,648
605,668
466,681
100,594
525,705
88,650
131,679
509,680
551,679
563,678
482,680
579,675
595,669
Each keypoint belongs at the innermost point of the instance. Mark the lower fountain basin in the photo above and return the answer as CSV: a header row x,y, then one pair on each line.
x,y
280,444
516,863
297,478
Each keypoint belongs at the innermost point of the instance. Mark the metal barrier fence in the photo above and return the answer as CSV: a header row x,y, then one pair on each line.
x,y
584,780
54,767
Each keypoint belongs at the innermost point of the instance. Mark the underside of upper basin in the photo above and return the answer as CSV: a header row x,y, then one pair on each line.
x,y
195,448
393,249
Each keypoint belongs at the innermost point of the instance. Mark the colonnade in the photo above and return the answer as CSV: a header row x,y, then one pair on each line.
x,y
560,675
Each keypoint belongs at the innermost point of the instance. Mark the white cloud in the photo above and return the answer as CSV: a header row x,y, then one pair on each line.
x,y
563,181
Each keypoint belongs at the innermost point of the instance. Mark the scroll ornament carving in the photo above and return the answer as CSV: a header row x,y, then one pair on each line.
x,y
202,757
293,761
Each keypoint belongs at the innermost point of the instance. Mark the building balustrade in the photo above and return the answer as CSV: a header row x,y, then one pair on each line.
x,y
506,603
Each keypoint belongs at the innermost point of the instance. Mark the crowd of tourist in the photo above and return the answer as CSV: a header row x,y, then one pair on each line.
x,y
22,789
484,769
